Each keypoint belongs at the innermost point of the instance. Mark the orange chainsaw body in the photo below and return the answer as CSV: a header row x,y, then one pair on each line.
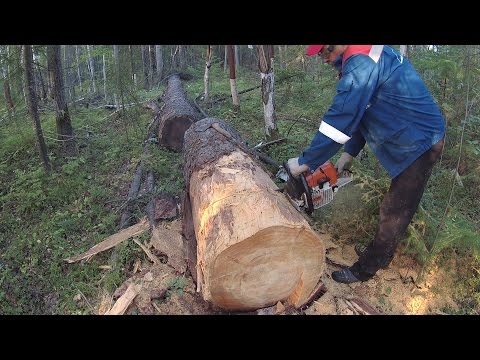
x,y
325,172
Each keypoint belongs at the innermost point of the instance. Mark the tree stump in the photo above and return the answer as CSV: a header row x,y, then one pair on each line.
x,y
177,115
253,248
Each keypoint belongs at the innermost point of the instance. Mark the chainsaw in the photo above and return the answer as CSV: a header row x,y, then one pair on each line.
x,y
313,189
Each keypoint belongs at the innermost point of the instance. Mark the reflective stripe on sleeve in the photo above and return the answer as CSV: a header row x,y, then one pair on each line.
x,y
332,133
375,52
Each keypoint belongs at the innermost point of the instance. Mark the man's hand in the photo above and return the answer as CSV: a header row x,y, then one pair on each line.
x,y
295,168
344,162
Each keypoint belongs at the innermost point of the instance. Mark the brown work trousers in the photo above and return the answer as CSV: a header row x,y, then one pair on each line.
x,y
398,207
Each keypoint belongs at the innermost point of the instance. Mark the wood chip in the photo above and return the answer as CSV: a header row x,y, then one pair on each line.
x,y
113,240
148,277
151,256
170,242
136,266
125,300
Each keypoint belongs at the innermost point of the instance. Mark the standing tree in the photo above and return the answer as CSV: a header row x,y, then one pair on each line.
x,y
152,70
116,57
64,125
31,99
145,66
132,66
265,60
91,65
6,80
404,50
159,58
104,79
78,68
206,78
233,82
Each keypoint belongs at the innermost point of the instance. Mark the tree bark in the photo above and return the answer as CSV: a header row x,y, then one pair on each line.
x,y
233,83
206,78
91,65
145,66
64,125
151,69
78,68
404,50
8,96
253,248
31,99
265,59
159,58
43,90
104,80
116,57
6,82
132,66
177,115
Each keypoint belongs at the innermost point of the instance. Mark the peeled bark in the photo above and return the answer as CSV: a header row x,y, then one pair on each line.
x,y
233,82
177,115
253,248
265,59
206,77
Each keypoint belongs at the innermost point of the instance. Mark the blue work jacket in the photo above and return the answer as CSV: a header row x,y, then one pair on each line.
x,y
383,101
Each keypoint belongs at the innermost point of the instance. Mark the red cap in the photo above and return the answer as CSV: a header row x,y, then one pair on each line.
x,y
313,49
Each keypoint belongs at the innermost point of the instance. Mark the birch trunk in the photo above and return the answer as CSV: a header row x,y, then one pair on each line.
x,y
104,80
159,58
265,59
91,65
78,68
206,78
116,58
233,82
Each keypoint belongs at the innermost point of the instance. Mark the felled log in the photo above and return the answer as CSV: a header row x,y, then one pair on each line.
x,y
177,115
253,248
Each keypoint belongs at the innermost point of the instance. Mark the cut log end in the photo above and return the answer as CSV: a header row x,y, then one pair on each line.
x,y
173,132
277,263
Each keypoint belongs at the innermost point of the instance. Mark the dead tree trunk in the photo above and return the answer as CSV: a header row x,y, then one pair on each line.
x,y
177,115
253,248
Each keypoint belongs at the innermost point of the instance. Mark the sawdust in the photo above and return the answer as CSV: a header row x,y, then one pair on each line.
x,y
397,290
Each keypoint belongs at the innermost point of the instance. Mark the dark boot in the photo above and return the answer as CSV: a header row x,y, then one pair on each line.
x,y
344,276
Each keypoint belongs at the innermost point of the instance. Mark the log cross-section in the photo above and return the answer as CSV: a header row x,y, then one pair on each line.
x,y
253,248
177,115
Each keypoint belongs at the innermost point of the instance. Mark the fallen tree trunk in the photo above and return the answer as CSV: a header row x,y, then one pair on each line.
x,y
177,115
253,248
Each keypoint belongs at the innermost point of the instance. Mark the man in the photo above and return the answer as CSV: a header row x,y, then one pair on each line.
x,y
381,100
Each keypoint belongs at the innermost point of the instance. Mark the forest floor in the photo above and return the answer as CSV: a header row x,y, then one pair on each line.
x,y
404,288
396,290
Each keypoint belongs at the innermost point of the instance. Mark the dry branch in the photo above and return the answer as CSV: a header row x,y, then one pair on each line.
x,y
112,240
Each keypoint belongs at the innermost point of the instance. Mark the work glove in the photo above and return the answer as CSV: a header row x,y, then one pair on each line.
x,y
344,162
295,168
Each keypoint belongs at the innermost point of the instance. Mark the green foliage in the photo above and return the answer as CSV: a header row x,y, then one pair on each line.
x,y
176,285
